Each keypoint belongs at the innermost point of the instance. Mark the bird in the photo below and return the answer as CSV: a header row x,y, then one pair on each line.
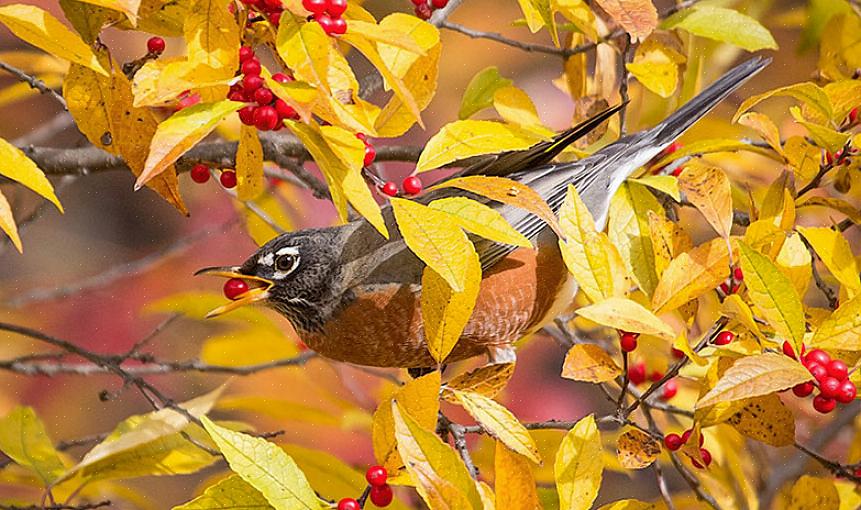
x,y
353,296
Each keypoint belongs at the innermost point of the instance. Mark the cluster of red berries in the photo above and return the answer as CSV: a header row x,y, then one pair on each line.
x,y
272,9
424,8
674,441
841,157
412,185
732,283
380,493
328,14
637,376
200,174
267,112
628,341
155,46
832,379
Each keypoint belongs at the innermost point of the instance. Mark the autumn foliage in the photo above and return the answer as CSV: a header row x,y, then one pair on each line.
x,y
718,316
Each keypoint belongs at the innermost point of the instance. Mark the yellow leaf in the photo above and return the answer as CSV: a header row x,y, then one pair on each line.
x,y
681,343
487,380
664,183
636,449
418,397
708,188
626,315
231,349
773,295
806,92
23,439
35,62
638,17
515,106
159,82
498,421
589,363
42,30
508,192
339,155
481,220
442,480
795,261
261,231
383,33
725,25
441,245
590,257
445,312
656,63
212,36
811,493
837,204
22,90
581,16
179,133
15,165
842,329
735,308
765,127
715,145
7,223
299,95
465,138
803,157
628,504
692,274
834,251
662,234
629,231
825,137
579,466
514,481
231,492
305,48
265,467
753,376
127,7
249,164
765,419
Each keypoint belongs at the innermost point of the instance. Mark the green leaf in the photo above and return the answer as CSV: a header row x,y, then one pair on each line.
x,y
15,165
725,25
265,466
479,93
231,493
23,439
179,133
579,466
773,294
44,31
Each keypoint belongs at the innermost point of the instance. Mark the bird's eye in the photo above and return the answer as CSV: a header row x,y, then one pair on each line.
x,y
287,263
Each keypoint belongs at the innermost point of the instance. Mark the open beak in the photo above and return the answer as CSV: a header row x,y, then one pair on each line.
x,y
258,288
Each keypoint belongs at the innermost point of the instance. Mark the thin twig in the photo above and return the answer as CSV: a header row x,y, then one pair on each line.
x,y
34,83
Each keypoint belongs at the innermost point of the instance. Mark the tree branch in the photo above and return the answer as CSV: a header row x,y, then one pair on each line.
x,y
34,83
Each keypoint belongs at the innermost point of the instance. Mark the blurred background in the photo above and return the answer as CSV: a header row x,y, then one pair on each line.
x,y
93,274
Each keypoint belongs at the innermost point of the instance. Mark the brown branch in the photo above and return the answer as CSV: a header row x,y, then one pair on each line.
x,y
83,506
34,83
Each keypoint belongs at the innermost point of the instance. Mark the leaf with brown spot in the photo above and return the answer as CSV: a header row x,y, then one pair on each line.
x,y
589,363
638,17
811,493
708,188
636,449
765,419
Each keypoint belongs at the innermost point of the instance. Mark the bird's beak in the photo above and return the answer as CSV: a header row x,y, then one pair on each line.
x,y
258,288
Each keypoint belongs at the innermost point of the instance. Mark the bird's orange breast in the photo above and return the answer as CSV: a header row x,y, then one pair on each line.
x,y
382,326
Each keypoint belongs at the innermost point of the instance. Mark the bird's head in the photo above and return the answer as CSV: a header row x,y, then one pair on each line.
x,y
293,273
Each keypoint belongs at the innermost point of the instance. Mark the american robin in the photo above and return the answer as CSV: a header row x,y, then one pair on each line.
x,y
354,296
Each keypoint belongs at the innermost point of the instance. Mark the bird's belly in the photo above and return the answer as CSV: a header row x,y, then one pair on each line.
x,y
382,325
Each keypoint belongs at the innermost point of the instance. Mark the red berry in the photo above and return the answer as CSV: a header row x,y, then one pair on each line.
x,y
804,389
336,8
275,18
251,67
228,179
246,115
724,338
266,118
738,274
439,4
677,171
788,350
818,356
628,341
418,2
236,95
847,392
199,173
349,504
637,373
187,100
686,435
707,458
824,405
412,185
829,387
381,495
234,287
245,53
325,21
837,369
853,115
339,26
673,442
315,6
423,11
263,96
281,78
251,83
272,5
677,353
376,475
370,154
670,389
656,376
390,189
155,45
819,372
285,111
725,288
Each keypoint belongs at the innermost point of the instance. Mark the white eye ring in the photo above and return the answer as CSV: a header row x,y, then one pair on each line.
x,y
286,263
